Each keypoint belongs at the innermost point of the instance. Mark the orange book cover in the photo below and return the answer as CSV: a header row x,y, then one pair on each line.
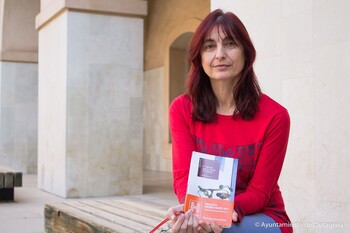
x,y
211,188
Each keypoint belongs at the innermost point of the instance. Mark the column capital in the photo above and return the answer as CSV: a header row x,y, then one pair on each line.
x,y
132,8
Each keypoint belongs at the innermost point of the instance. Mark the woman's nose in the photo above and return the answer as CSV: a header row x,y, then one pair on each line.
x,y
220,52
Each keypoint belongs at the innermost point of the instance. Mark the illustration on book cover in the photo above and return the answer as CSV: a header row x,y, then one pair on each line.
x,y
211,185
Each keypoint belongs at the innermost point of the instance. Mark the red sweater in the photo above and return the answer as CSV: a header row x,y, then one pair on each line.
x,y
259,144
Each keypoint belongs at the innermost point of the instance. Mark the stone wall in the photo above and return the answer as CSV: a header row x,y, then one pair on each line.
x,y
18,84
19,116
303,48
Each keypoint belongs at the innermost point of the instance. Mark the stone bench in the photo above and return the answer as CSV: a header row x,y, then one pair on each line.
x,y
9,179
107,215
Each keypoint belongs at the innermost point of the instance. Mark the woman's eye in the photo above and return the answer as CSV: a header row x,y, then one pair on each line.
x,y
230,44
209,47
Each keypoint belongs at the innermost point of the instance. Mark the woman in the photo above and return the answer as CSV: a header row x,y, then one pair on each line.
x,y
225,113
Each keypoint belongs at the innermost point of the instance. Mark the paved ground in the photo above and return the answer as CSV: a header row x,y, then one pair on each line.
x,y
25,215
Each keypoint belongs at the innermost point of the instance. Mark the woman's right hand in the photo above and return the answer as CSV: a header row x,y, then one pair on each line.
x,y
182,222
174,211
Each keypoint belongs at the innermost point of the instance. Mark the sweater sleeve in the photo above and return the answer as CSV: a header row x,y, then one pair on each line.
x,y
182,145
268,167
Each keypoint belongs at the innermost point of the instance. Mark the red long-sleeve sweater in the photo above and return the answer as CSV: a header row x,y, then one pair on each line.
x,y
259,145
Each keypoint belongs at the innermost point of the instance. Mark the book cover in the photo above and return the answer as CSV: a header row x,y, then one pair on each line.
x,y
211,188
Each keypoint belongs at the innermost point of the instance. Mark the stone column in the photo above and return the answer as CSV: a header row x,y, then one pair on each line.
x,y
18,84
90,140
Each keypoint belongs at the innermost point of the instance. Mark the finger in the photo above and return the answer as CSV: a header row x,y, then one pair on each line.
x,y
184,225
176,227
173,211
234,216
205,227
195,224
215,227
200,228
190,224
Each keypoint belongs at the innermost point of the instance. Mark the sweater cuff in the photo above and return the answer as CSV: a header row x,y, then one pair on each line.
x,y
239,212
182,200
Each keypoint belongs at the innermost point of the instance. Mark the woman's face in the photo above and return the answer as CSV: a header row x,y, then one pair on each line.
x,y
222,57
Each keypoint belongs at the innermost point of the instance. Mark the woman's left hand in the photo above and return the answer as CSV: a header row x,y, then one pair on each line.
x,y
234,216
212,227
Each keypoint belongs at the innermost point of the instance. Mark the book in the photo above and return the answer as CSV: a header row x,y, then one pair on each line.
x,y
211,188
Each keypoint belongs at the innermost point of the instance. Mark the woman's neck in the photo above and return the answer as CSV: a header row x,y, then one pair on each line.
x,y
224,94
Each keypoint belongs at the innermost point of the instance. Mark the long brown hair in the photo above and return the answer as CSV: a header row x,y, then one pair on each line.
x,y
247,91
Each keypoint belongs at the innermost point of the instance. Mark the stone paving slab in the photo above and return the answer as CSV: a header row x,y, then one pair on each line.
x,y
26,214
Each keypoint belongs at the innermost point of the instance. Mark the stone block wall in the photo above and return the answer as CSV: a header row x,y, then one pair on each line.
x,y
303,48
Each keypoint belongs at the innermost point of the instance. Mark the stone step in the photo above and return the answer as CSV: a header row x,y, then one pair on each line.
x,y
105,215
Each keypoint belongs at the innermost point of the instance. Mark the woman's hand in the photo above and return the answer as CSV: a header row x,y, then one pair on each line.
x,y
187,222
234,216
174,211
182,222
206,228
203,227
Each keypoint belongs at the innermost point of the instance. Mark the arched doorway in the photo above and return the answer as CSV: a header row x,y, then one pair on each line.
x,y
178,66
